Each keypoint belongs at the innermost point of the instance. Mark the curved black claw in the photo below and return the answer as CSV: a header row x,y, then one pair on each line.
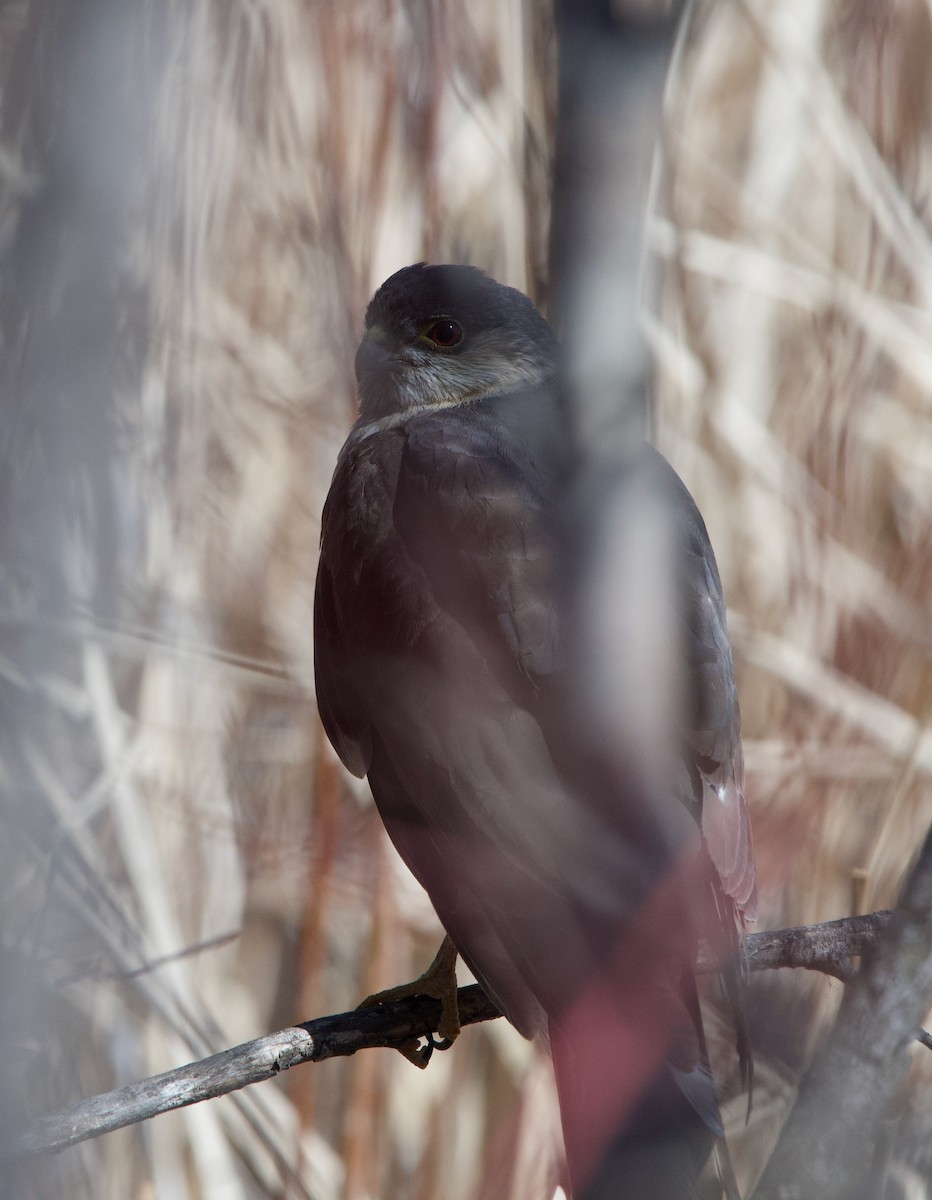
x,y
421,1055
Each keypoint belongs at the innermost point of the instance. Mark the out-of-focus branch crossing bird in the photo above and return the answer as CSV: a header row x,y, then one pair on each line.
x,y
573,874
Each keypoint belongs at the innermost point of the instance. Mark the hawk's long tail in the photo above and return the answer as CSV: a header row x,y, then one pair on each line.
x,y
640,1115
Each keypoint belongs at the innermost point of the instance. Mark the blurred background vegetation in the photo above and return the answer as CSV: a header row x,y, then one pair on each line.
x,y
196,200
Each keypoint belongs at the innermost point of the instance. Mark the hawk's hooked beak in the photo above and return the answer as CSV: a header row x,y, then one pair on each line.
x,y
373,355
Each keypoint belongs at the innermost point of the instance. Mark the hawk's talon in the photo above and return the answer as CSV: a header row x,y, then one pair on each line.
x,y
420,1055
415,1053
439,982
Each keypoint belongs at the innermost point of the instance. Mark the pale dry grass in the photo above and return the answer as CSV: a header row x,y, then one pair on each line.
x,y
795,384
171,768
293,155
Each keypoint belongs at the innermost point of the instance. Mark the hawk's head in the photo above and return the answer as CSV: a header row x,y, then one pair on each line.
x,y
441,335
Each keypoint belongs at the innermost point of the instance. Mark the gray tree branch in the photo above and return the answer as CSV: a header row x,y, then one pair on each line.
x,y
832,1144
826,947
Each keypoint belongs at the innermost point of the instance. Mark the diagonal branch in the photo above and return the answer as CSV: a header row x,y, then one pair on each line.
x,y
833,1141
264,1058
826,947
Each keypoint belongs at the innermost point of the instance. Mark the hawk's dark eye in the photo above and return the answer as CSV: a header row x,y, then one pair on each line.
x,y
445,334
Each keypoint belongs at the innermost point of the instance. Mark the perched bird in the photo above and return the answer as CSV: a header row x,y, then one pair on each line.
x,y
574,874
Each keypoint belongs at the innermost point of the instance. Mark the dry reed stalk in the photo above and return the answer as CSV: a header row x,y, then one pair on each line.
x,y
292,154
167,785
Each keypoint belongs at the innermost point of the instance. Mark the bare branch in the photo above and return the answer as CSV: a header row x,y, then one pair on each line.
x,y
826,947
829,1144
263,1058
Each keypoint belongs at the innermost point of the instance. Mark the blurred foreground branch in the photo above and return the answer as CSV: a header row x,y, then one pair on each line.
x,y
826,947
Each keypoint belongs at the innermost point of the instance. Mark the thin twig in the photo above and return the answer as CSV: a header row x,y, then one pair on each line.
x,y
826,947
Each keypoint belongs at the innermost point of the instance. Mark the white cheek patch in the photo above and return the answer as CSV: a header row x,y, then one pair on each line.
x,y
423,379
490,365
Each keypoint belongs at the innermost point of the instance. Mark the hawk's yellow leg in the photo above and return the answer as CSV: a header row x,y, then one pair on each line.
x,y
439,982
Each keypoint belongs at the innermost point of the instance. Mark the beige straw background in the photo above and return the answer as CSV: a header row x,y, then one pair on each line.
x,y
294,154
